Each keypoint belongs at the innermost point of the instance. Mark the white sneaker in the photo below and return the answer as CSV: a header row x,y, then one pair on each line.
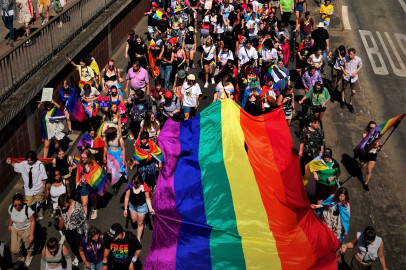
x,y
212,81
206,85
75,262
93,215
28,261
44,21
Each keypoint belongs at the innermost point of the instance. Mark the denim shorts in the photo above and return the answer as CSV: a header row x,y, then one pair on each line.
x,y
140,209
187,109
299,8
85,190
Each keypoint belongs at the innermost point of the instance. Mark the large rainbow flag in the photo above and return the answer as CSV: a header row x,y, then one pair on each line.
x,y
375,135
230,196
96,178
74,106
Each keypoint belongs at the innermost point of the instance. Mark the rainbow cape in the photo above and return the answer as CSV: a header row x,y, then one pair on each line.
x,y
74,105
88,142
230,196
152,60
369,142
154,151
96,178
54,115
45,161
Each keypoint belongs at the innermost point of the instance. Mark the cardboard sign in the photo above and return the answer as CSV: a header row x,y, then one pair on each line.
x,y
47,94
208,4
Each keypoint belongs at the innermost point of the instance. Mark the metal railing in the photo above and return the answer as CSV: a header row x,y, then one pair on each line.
x,y
18,65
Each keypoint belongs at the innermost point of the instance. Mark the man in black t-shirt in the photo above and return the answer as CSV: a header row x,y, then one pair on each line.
x,y
124,248
320,39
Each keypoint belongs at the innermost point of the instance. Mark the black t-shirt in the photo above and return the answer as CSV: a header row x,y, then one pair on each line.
x,y
193,3
232,17
6,262
320,35
122,251
230,41
151,21
163,25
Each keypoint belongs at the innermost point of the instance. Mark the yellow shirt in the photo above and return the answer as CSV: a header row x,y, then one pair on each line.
x,y
326,9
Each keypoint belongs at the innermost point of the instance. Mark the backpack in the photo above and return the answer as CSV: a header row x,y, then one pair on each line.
x,y
25,206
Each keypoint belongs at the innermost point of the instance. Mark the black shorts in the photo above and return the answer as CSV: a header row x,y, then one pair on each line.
x,y
368,157
323,191
207,62
319,109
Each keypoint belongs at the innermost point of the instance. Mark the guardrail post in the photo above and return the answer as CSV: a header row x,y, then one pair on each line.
x,y
50,36
81,15
11,72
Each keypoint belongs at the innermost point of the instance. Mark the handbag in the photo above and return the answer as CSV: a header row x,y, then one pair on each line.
x,y
56,5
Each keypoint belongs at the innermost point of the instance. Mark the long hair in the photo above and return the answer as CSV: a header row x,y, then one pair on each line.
x,y
368,128
111,114
111,134
148,124
342,190
89,155
92,232
137,178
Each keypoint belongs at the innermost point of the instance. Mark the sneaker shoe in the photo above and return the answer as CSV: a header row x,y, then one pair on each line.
x,y
206,85
366,188
212,81
28,261
193,66
8,41
93,215
187,69
75,262
351,108
63,238
69,132
342,104
60,24
28,42
11,43
41,214
44,21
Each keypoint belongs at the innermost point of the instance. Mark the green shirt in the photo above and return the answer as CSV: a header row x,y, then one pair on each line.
x,y
286,5
324,175
318,98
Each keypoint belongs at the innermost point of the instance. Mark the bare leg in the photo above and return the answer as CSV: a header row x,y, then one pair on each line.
x,y
352,97
47,143
140,227
85,201
370,167
68,121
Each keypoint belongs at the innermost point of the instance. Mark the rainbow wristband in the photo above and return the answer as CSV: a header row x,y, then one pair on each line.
x,y
134,259
104,263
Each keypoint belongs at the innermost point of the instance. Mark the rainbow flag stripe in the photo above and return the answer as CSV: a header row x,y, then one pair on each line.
x,y
45,161
375,135
131,164
154,152
76,159
158,14
131,136
220,206
96,178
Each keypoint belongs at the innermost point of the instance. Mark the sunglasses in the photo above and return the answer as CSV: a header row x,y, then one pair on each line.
x,y
17,205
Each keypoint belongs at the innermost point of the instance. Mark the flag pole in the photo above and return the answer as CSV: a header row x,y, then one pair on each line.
x,y
390,134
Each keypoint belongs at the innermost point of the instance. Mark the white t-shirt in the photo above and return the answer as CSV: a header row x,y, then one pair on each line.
x,y
224,56
245,55
208,52
269,54
38,174
190,93
20,220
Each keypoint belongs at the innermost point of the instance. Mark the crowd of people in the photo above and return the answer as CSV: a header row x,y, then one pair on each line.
x,y
243,49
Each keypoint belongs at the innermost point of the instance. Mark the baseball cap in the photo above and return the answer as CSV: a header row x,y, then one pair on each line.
x,y
168,95
181,74
191,29
207,19
191,77
321,24
115,230
154,5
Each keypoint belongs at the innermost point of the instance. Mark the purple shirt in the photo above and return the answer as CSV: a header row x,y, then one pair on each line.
x,y
94,252
311,80
137,79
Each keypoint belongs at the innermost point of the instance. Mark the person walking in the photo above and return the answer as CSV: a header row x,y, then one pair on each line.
x,y
34,175
326,10
21,226
369,247
55,256
321,40
7,15
123,247
190,96
91,249
137,76
351,66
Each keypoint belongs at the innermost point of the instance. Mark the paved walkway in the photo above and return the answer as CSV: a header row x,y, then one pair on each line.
x,y
19,27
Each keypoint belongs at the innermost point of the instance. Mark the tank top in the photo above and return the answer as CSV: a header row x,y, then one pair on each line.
x,y
55,192
114,145
372,253
167,55
117,102
137,199
62,164
189,39
111,77
288,104
316,60
56,259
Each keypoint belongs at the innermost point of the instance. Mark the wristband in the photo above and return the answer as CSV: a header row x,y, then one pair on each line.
x,y
134,259
104,262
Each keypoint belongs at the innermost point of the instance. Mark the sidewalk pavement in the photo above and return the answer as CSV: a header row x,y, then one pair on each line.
x,y
19,27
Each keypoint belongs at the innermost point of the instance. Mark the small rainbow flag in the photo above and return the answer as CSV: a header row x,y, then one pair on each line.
x,y
369,142
215,165
154,151
158,14
212,64
131,136
76,159
131,164
125,101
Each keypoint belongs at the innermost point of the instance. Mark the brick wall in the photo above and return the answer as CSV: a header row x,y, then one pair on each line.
x,y
22,134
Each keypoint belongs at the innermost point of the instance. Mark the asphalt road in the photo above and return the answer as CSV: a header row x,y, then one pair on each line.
x,y
380,98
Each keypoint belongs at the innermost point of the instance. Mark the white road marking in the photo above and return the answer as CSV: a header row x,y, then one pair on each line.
x,y
346,19
373,51
403,4
399,72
